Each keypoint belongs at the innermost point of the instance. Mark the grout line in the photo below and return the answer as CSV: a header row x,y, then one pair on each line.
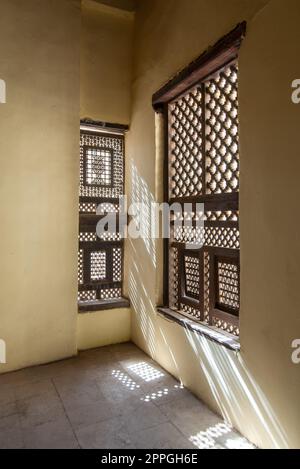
x,y
66,414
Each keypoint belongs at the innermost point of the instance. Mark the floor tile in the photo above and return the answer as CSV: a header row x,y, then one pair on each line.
x,y
11,436
7,394
146,415
189,415
8,409
86,415
57,434
111,397
164,436
38,410
109,434
33,389
80,395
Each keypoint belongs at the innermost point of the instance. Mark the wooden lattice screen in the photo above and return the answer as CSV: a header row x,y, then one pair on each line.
x,y
100,260
203,167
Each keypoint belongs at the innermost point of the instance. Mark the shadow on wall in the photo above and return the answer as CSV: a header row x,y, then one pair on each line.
x,y
192,358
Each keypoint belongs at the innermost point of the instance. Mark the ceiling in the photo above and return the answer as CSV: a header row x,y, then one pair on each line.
x,y
128,5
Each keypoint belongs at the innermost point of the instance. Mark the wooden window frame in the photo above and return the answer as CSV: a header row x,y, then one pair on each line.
x,y
88,222
223,53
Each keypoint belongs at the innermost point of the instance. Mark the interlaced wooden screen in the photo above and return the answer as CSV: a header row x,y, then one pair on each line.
x,y
203,155
100,260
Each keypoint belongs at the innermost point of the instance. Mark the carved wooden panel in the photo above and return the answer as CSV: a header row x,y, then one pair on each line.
x,y
203,166
100,259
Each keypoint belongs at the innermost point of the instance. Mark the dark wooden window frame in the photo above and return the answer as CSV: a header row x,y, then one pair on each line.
x,y
88,223
223,53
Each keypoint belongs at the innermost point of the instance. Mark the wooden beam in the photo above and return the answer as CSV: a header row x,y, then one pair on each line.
x,y
216,56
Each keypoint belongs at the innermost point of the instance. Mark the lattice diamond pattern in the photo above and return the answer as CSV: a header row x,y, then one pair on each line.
x,y
80,266
228,280
86,207
204,160
206,286
225,326
109,236
190,311
221,132
87,236
87,295
110,293
173,278
117,264
220,236
185,144
105,208
229,215
192,274
98,265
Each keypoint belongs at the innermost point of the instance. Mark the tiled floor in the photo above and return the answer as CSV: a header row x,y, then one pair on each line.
x,y
113,397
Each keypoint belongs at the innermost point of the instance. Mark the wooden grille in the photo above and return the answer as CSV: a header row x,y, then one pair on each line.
x,y
185,144
221,132
98,265
98,166
228,285
203,166
100,260
192,276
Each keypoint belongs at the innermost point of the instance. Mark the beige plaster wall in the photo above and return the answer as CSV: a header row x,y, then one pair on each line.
x,y
257,390
39,60
111,326
105,95
106,62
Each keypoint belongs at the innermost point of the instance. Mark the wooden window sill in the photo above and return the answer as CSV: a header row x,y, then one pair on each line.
x,y
100,305
212,333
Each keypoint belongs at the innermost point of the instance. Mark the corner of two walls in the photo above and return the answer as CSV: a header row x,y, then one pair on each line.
x,y
105,84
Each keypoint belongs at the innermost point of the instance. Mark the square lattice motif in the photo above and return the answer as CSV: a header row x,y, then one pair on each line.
x,y
98,167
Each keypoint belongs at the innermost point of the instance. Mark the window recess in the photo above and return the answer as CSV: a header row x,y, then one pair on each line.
x,y
100,260
200,107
